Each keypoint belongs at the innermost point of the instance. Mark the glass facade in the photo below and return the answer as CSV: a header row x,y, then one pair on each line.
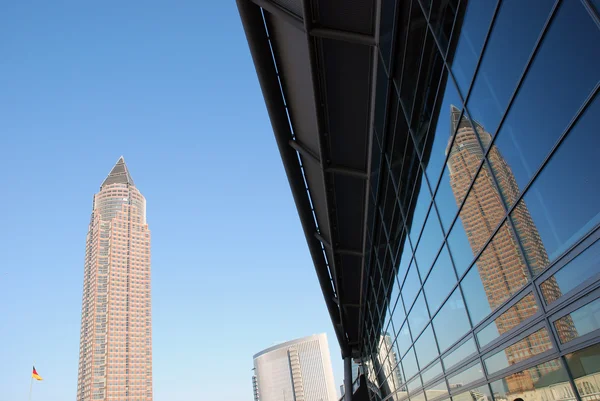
x,y
484,202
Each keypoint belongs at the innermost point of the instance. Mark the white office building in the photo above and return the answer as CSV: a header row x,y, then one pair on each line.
x,y
297,370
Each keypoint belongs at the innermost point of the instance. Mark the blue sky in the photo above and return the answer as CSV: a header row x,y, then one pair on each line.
x,y
172,88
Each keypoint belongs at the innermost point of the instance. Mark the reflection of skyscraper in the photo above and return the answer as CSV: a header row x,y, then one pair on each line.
x,y
501,266
115,354
385,364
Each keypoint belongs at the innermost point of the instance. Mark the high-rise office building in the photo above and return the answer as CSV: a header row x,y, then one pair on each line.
x,y
447,186
297,370
115,352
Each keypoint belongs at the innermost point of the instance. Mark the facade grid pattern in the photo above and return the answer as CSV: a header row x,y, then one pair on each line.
x,y
484,273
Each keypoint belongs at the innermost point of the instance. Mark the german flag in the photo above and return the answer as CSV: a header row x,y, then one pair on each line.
x,y
35,375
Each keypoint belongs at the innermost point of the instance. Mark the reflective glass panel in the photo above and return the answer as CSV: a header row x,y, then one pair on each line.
x,y
517,27
418,397
533,344
481,393
429,244
421,207
432,372
567,75
555,219
443,13
441,130
469,375
403,341
510,319
409,364
440,281
437,390
418,316
452,320
460,248
579,270
414,384
499,272
445,201
411,286
585,369
545,382
579,322
426,347
472,35
460,354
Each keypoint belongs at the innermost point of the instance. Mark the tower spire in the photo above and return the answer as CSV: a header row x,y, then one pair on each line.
x,y
119,174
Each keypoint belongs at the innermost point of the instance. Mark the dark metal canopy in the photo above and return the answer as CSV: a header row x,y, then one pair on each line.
x,y
316,62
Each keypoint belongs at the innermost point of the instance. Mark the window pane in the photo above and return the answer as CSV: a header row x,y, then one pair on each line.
x,y
510,319
403,341
467,376
433,371
418,397
460,354
499,272
451,320
481,393
475,26
421,207
429,244
441,130
426,347
565,68
579,270
585,366
414,384
411,286
409,364
437,390
550,199
460,248
418,316
440,281
545,382
517,27
579,322
533,344
445,201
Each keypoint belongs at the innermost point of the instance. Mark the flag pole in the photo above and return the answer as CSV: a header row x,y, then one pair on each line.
x,y
30,387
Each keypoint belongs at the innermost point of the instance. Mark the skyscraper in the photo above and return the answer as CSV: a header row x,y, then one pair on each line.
x,y
297,370
115,352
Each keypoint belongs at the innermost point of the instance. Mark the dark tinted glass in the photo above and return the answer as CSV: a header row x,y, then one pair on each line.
x,y
563,200
418,316
474,29
442,16
426,347
440,281
516,30
584,267
579,322
386,30
430,243
452,321
560,79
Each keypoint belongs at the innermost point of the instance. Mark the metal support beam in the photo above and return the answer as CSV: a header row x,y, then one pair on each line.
x,y
348,171
260,50
347,378
303,151
344,36
339,251
281,13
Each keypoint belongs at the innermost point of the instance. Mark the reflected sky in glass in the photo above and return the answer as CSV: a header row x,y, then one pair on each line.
x,y
418,316
440,281
452,321
426,347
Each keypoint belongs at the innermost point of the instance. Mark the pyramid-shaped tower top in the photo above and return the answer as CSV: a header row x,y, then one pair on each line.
x,y
119,174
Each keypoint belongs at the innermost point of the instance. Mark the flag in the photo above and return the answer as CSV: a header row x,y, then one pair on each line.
x,y
35,375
